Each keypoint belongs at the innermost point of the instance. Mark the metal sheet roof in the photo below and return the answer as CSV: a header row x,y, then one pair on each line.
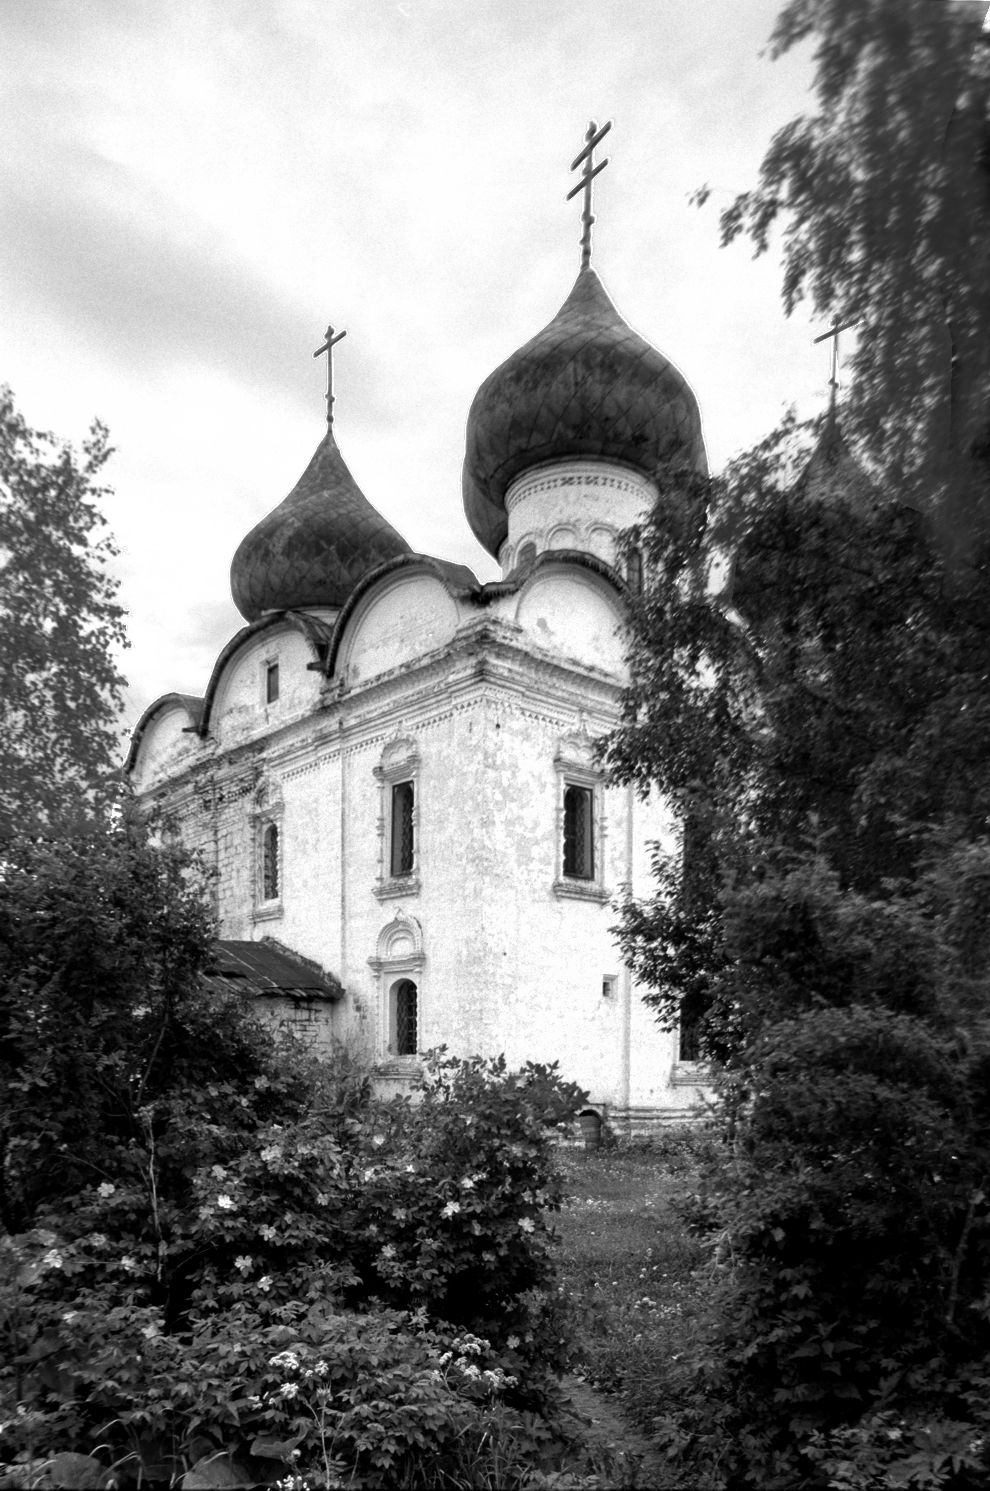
x,y
267,968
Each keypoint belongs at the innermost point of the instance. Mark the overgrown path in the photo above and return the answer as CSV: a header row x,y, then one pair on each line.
x,y
636,1278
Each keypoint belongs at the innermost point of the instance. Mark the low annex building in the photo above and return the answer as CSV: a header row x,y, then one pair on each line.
x,y
392,767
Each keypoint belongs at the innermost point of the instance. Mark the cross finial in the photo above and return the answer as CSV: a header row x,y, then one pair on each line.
x,y
328,346
833,332
590,171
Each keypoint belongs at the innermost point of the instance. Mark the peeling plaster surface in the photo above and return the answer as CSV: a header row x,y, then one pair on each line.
x,y
490,710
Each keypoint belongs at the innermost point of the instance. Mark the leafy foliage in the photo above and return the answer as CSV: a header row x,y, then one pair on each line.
x,y
884,199
822,728
197,1216
60,626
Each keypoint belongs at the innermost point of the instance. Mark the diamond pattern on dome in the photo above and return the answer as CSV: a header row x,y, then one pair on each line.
x,y
586,385
315,546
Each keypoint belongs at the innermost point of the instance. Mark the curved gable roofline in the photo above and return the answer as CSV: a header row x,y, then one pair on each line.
x,y
191,703
316,632
579,558
457,580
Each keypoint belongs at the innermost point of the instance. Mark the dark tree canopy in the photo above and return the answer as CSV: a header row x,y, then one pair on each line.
x,y
883,196
60,626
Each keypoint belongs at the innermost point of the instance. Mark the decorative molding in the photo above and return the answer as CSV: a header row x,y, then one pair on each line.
x,y
399,762
399,943
581,890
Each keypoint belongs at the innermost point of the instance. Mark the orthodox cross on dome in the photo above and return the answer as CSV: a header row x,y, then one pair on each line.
x,y
833,332
328,346
587,155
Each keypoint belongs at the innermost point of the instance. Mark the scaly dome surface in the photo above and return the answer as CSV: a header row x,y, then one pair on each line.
x,y
586,385
315,546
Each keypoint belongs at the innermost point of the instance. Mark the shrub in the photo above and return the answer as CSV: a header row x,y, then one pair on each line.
x,y
186,1198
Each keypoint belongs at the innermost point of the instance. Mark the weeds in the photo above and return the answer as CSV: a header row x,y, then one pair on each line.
x,y
637,1279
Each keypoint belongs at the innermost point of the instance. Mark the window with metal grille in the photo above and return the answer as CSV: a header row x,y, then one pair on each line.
x,y
406,1018
269,863
271,682
403,798
579,843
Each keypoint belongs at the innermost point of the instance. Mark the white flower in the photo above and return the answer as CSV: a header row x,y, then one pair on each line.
x,y
105,1190
225,1202
512,1342
469,1369
268,1233
131,1264
467,1183
388,1251
369,1174
218,1172
320,1368
322,1199
150,1331
526,1224
265,1283
70,1316
244,1263
97,1239
52,1259
289,1390
287,1359
273,1152
451,1209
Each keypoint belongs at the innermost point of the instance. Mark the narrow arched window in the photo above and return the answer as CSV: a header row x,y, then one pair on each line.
x,y
527,555
634,571
406,1018
269,863
403,802
579,838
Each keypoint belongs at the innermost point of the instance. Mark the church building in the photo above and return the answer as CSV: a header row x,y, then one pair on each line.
x,y
392,766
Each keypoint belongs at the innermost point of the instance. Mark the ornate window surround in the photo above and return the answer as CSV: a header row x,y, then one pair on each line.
x,y
267,811
399,762
574,766
398,955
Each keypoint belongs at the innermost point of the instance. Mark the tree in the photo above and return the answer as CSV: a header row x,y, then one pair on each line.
x,y
884,197
824,738
60,625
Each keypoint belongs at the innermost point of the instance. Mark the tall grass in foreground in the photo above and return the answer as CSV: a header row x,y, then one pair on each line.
x,y
637,1279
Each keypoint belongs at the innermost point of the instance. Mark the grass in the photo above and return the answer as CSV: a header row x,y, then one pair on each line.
x,y
638,1280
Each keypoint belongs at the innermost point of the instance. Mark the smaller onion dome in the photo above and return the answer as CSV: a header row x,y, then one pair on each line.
x,y
586,385
315,546
833,474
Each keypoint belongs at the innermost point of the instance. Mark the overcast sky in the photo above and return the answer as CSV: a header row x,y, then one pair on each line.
x,y
192,189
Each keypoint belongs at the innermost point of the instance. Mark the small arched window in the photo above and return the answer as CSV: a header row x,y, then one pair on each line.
x,y
527,555
405,1018
269,863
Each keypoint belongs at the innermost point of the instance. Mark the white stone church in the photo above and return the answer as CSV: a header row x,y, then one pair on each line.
x,y
392,765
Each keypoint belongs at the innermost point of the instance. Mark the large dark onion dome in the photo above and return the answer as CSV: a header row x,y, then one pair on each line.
x,y
586,385
315,546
